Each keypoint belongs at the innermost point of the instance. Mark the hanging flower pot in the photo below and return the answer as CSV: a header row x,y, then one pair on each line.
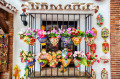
x,y
89,40
93,48
29,40
104,59
95,32
62,68
89,37
30,64
65,62
42,40
54,40
66,40
76,40
104,33
105,47
53,63
42,62
90,62
77,62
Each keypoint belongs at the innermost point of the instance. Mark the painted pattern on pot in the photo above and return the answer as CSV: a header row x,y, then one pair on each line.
x,y
76,62
99,20
30,40
54,40
104,33
66,40
105,47
30,64
89,40
42,40
95,32
66,62
76,40
104,74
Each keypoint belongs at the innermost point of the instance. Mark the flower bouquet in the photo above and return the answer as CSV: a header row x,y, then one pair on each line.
x,y
42,37
42,59
52,57
89,37
66,57
91,58
80,58
28,58
29,36
77,35
53,36
66,36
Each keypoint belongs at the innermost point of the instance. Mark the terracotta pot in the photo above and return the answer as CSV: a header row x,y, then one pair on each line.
x,y
76,40
77,62
54,40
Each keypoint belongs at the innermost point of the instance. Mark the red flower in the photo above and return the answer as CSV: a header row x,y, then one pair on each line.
x,y
87,52
69,54
96,55
98,61
92,70
73,29
103,68
78,27
73,33
76,34
69,50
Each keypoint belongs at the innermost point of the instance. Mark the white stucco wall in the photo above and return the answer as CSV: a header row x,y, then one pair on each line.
x,y
19,44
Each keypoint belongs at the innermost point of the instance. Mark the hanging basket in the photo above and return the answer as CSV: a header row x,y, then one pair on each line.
x,y
42,40
89,40
54,40
66,62
76,40
66,40
30,40
92,62
30,64
76,62
95,32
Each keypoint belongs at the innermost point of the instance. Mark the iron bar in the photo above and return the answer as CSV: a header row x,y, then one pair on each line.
x,y
85,41
73,44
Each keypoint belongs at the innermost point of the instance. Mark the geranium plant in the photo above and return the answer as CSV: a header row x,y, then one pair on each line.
x,y
65,33
30,33
42,59
53,33
77,32
90,34
26,56
91,58
41,33
80,58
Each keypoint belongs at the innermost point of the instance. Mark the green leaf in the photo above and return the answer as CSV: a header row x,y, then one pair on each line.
x,y
83,61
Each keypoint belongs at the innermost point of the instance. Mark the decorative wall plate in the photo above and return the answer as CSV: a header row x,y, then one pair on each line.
x,y
95,31
93,48
105,47
99,20
104,33
104,74
104,59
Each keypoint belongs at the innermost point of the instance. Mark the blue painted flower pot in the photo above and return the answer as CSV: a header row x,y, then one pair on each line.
x,y
30,64
42,40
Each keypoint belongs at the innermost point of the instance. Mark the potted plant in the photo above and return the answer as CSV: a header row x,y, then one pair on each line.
x,y
80,58
42,59
22,34
28,58
52,57
66,57
89,37
59,55
77,35
65,36
53,36
91,58
29,36
42,36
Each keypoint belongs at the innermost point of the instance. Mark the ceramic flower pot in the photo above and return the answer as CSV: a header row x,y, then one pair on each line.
x,y
42,63
76,40
29,40
62,68
30,64
77,62
66,40
54,40
53,64
42,40
66,62
89,40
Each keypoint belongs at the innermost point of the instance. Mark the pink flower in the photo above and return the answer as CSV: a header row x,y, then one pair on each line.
x,y
91,32
34,30
56,32
48,32
69,29
59,36
78,27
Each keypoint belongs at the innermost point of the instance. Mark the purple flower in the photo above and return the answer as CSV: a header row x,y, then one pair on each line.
x,y
65,57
